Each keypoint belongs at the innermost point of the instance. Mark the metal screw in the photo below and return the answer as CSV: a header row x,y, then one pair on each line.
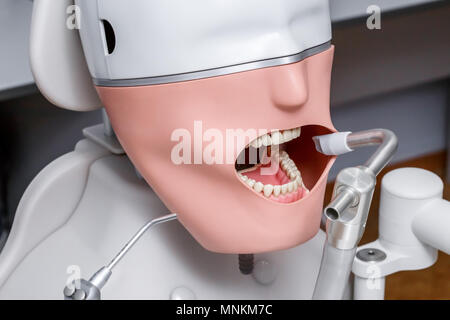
x,y
371,255
246,263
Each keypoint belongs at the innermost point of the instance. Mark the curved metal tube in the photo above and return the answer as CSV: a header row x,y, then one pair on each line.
x,y
137,236
388,146
91,290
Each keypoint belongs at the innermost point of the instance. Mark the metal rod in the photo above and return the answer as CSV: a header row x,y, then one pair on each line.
x,y
137,236
108,129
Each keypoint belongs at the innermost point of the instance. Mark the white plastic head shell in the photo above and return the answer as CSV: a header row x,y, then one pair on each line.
x,y
168,37
56,57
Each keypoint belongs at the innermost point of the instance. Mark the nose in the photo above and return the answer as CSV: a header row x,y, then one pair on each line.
x,y
289,86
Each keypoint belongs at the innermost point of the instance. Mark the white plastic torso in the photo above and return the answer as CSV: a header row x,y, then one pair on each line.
x,y
160,37
114,204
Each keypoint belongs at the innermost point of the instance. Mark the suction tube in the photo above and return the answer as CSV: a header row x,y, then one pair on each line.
x,y
334,273
345,217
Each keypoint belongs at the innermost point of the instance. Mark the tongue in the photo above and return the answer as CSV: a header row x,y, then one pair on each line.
x,y
277,179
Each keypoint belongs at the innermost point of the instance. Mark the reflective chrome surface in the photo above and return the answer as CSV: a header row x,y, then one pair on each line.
x,y
214,72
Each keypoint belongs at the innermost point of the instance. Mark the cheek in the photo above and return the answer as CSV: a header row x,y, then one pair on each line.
x,y
189,189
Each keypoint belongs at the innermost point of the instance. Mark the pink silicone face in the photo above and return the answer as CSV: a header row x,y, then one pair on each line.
x,y
214,204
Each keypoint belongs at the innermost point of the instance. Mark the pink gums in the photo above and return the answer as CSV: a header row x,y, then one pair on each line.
x,y
278,179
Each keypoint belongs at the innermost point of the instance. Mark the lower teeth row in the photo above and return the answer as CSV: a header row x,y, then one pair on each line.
x,y
291,170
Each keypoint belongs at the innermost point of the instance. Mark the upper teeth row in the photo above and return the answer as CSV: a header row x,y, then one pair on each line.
x,y
276,138
291,170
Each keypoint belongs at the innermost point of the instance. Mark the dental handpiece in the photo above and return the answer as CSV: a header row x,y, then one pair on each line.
x,y
345,196
91,290
345,218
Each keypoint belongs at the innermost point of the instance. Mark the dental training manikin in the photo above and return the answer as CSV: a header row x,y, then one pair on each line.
x,y
241,67
223,108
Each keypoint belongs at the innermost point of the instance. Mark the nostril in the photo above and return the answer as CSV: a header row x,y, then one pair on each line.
x,y
289,87
109,36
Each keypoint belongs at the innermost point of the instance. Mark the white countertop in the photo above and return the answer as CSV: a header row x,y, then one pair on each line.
x,y
15,16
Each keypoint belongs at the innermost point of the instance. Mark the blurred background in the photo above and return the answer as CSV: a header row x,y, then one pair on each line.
x,y
395,78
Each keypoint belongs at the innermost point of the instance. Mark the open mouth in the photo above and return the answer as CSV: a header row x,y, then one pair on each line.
x,y
267,168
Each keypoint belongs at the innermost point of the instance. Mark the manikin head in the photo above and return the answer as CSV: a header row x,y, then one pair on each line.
x,y
190,87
